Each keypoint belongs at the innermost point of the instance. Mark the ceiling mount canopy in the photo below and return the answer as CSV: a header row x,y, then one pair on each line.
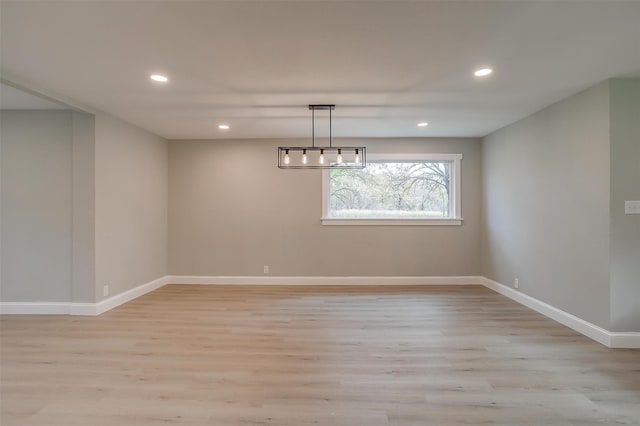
x,y
322,157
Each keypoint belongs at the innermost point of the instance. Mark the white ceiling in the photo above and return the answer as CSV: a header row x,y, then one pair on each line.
x,y
256,65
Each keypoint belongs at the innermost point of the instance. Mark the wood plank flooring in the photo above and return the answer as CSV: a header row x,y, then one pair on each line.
x,y
278,355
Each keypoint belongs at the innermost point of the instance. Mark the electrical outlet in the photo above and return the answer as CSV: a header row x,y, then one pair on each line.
x,y
632,207
516,283
105,290
265,269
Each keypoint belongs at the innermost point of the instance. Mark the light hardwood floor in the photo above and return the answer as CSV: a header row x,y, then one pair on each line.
x,y
277,355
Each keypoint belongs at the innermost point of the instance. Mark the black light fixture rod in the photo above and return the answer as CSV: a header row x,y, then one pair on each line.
x,y
330,134
322,106
313,127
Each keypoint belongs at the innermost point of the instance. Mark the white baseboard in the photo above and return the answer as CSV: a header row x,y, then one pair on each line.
x,y
77,308
599,334
357,280
34,308
117,300
624,340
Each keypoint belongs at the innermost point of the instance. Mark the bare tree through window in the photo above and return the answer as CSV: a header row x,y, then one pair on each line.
x,y
415,189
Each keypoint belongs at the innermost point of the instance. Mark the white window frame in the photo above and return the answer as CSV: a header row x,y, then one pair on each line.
x,y
456,206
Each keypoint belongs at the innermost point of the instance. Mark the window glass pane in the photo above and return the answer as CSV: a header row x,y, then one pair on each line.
x,y
383,190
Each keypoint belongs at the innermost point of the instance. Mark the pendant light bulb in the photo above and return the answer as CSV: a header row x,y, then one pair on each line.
x,y
321,160
357,161
287,160
304,156
339,159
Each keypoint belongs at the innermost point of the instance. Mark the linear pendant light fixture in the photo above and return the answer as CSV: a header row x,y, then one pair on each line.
x,y
322,157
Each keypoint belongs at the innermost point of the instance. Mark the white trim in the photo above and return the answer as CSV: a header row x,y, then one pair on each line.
x,y
87,309
80,308
34,308
455,203
624,340
581,326
393,222
599,334
359,280
456,207
124,297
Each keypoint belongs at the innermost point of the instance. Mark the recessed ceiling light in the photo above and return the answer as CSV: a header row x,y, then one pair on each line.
x,y
423,124
159,78
483,72
223,126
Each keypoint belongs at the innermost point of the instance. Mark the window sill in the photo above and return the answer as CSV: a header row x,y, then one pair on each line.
x,y
386,222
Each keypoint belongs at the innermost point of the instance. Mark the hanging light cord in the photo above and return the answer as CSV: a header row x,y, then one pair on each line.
x,y
330,132
313,128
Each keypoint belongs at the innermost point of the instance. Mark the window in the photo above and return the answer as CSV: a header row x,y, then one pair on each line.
x,y
395,189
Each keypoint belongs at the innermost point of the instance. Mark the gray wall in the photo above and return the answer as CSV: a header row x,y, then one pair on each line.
x,y
36,203
131,235
84,203
625,185
83,208
546,205
233,211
